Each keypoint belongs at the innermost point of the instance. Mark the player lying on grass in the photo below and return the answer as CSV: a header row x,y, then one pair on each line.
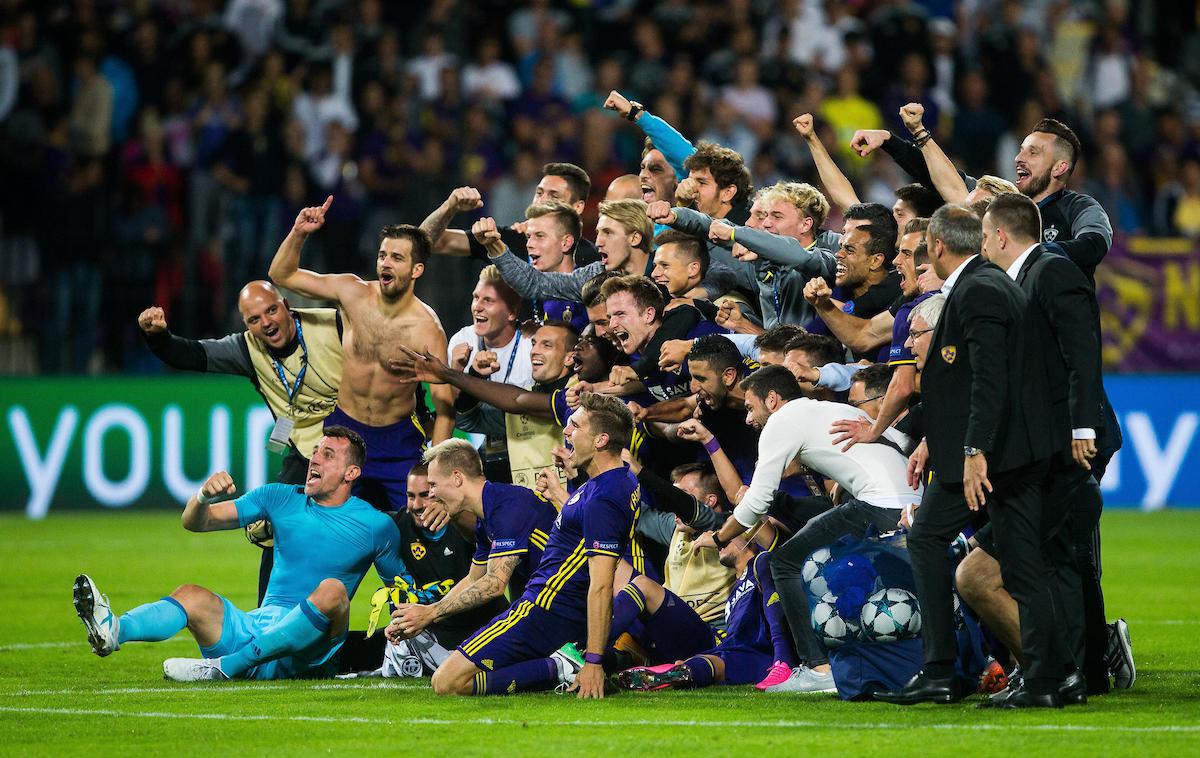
x,y
756,647
325,540
569,598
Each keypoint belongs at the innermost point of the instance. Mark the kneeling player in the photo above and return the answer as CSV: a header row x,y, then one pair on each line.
x,y
756,645
325,541
569,597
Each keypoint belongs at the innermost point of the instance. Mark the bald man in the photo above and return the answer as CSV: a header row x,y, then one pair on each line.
x,y
293,357
627,187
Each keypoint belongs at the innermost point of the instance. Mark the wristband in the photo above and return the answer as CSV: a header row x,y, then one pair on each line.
x,y
717,539
712,446
203,499
634,109
731,233
593,658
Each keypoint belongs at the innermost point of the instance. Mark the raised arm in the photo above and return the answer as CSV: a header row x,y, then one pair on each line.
x,y
947,182
285,268
837,186
859,334
454,241
727,475
674,146
786,251
210,509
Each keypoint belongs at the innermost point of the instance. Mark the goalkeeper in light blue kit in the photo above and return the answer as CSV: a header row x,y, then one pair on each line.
x,y
325,541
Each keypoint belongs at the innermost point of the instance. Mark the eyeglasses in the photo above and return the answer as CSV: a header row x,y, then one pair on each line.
x,y
864,401
914,333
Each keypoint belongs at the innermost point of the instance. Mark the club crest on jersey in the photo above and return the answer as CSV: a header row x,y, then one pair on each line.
x,y
1050,233
949,353
418,550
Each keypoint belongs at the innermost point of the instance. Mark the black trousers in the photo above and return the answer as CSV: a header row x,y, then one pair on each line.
x,y
852,517
294,471
1015,509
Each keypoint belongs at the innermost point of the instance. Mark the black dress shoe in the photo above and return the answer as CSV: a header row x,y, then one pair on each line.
x,y
1073,689
1023,698
924,689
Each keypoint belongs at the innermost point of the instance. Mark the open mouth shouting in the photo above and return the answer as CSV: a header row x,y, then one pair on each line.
x,y
271,331
649,195
1023,174
387,278
840,271
314,477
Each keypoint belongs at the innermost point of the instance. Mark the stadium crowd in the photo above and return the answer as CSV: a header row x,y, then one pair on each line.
x,y
751,430
181,138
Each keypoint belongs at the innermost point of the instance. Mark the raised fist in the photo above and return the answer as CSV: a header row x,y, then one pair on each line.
x,y
219,486
465,199
720,231
673,353
687,191
153,320
743,253
311,219
484,230
486,363
729,315
660,212
693,431
622,375
459,356
911,116
817,292
804,125
618,102
866,141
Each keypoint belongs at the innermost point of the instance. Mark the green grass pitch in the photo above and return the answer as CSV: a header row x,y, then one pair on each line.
x,y
57,698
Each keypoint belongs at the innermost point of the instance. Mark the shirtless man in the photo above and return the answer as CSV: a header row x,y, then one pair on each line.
x,y
380,316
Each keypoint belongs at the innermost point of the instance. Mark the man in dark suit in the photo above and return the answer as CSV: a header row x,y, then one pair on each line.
x,y
989,436
1063,317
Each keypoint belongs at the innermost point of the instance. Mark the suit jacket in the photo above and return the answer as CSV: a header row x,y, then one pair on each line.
x,y
1063,318
981,384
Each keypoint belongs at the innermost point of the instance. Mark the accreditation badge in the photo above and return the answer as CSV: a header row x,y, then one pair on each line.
x,y
278,442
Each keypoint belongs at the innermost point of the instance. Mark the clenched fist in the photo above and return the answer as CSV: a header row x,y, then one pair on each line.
x,y
660,212
484,230
804,125
619,103
465,199
219,486
817,292
486,363
153,320
911,116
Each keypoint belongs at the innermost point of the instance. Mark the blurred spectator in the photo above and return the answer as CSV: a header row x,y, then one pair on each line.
x,y
161,149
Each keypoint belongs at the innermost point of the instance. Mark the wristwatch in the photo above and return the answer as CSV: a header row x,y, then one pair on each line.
x,y
971,451
717,539
635,108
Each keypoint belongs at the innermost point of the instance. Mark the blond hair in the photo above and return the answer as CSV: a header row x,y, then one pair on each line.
x,y
491,275
996,185
455,454
631,214
806,198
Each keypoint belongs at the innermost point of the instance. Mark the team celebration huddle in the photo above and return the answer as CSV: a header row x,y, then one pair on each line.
x,y
719,442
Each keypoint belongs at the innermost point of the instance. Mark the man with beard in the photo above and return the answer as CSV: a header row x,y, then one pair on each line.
x,y
664,152
874,477
1076,223
293,357
380,317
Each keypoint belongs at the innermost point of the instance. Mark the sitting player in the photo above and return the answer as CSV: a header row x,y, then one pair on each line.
x,y
325,540
511,525
756,647
569,598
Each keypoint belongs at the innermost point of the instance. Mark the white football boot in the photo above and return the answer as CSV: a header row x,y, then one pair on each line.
x,y
804,679
193,670
103,626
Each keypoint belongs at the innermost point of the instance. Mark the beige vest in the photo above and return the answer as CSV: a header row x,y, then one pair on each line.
x,y
318,392
699,579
